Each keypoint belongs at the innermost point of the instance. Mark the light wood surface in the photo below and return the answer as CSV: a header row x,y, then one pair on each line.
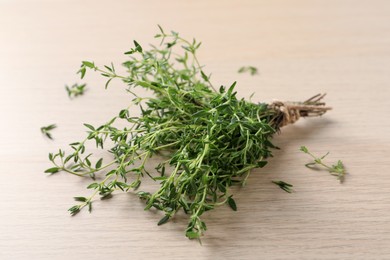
x,y
300,47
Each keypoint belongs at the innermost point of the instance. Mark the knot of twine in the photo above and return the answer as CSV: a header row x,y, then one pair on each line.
x,y
291,112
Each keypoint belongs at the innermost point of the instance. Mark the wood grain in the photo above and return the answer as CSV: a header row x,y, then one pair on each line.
x,y
300,47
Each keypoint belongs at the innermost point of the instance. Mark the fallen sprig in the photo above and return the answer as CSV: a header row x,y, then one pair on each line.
x,y
75,90
252,70
337,169
46,130
284,186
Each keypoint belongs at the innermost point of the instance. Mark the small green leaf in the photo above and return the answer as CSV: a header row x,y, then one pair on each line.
x,y
192,235
123,113
50,127
121,185
110,69
161,29
88,64
93,186
107,83
204,76
163,220
143,194
135,184
137,46
231,88
88,162
323,157
52,170
82,72
99,163
232,203
74,210
261,164
82,199
304,149
89,126
68,158
160,178
92,175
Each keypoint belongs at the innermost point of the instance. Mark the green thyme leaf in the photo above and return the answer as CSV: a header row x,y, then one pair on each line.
x,y
163,220
99,163
82,199
52,170
232,203
89,64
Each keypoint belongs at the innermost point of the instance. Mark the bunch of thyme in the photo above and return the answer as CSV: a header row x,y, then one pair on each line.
x,y
211,138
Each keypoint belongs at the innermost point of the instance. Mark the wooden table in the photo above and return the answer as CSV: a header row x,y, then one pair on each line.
x,y
300,47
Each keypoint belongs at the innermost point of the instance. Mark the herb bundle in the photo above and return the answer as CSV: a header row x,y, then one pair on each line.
x,y
208,138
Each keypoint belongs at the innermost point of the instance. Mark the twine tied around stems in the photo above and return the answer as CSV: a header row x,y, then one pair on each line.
x,y
290,112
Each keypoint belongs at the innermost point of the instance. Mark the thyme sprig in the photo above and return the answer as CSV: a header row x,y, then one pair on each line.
x,y
251,69
337,169
284,186
206,137
75,90
45,130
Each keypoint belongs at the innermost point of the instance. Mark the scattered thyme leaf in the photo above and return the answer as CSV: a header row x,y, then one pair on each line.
x,y
232,203
337,169
75,90
163,220
46,130
284,186
252,70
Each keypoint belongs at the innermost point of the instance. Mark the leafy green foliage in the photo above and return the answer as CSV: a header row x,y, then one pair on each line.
x,y
337,169
47,129
209,138
75,90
